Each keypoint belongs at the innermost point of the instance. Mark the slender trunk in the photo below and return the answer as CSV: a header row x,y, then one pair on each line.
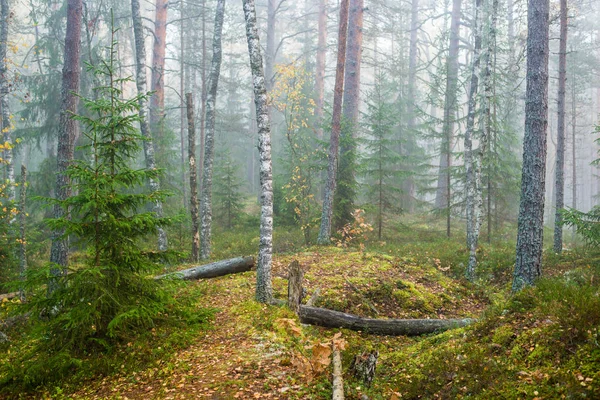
x,y
468,141
22,226
203,98
67,132
6,124
345,196
574,141
336,127
213,83
559,177
157,101
531,211
320,67
442,200
182,103
264,288
193,182
272,6
148,144
412,63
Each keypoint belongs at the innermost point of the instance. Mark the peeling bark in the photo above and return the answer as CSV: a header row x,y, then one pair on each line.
x,y
336,127
193,178
264,288
209,139
148,144
528,266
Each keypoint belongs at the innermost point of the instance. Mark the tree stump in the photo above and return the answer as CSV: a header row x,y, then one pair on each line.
x,y
363,366
295,276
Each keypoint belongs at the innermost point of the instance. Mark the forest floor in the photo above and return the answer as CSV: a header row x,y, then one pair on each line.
x,y
540,344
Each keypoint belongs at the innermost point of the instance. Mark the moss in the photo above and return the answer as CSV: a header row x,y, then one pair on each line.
x,y
503,335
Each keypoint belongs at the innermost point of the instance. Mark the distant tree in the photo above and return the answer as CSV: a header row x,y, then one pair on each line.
x,y
264,286
227,188
7,125
531,211
207,170
149,150
157,82
320,67
194,205
336,127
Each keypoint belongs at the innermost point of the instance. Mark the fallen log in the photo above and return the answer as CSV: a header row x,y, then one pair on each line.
x,y
393,327
212,270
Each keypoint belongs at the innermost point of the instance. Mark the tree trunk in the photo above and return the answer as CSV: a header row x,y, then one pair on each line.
x,y
181,94
320,67
193,180
67,131
559,183
22,226
468,141
272,6
148,144
264,287
412,63
396,327
157,101
212,270
338,380
442,199
531,211
203,98
336,127
346,185
295,276
209,139
6,124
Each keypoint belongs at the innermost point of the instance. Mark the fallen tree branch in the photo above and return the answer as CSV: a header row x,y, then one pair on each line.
x,y
395,327
338,381
212,270
313,299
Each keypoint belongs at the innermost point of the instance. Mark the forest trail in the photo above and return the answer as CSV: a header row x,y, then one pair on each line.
x,y
247,353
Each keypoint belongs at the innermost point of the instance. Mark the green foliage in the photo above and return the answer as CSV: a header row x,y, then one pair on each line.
x,y
227,188
586,224
107,298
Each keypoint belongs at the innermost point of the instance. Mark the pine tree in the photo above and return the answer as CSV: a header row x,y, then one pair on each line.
x,y
227,188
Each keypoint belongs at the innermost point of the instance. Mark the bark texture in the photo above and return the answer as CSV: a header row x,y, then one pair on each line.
x,y
67,130
193,178
395,327
6,125
320,67
140,81
468,142
336,127
209,139
264,287
22,227
157,101
346,184
559,178
212,270
295,276
337,378
442,199
531,211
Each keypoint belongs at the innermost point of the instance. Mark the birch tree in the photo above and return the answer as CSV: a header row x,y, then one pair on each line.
x,y
6,125
264,288
148,144
193,181
209,139
336,127
67,131
559,177
530,233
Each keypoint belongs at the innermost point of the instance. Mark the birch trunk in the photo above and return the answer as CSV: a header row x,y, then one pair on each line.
x,y
193,180
148,144
272,6
182,110
531,211
157,101
203,98
468,142
6,123
67,131
22,227
442,199
320,67
336,127
264,288
209,139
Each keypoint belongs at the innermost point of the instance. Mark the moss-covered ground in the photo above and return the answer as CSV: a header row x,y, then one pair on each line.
x,y
542,343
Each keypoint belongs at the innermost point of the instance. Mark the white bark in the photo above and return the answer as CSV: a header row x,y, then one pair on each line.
x,y
6,124
140,58
209,139
264,288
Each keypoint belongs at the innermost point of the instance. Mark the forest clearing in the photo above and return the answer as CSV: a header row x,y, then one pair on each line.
x,y
269,199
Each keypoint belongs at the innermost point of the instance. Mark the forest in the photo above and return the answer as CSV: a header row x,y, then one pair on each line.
x,y
312,199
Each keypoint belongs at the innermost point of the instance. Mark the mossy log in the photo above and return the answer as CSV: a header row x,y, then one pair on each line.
x,y
212,270
393,327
